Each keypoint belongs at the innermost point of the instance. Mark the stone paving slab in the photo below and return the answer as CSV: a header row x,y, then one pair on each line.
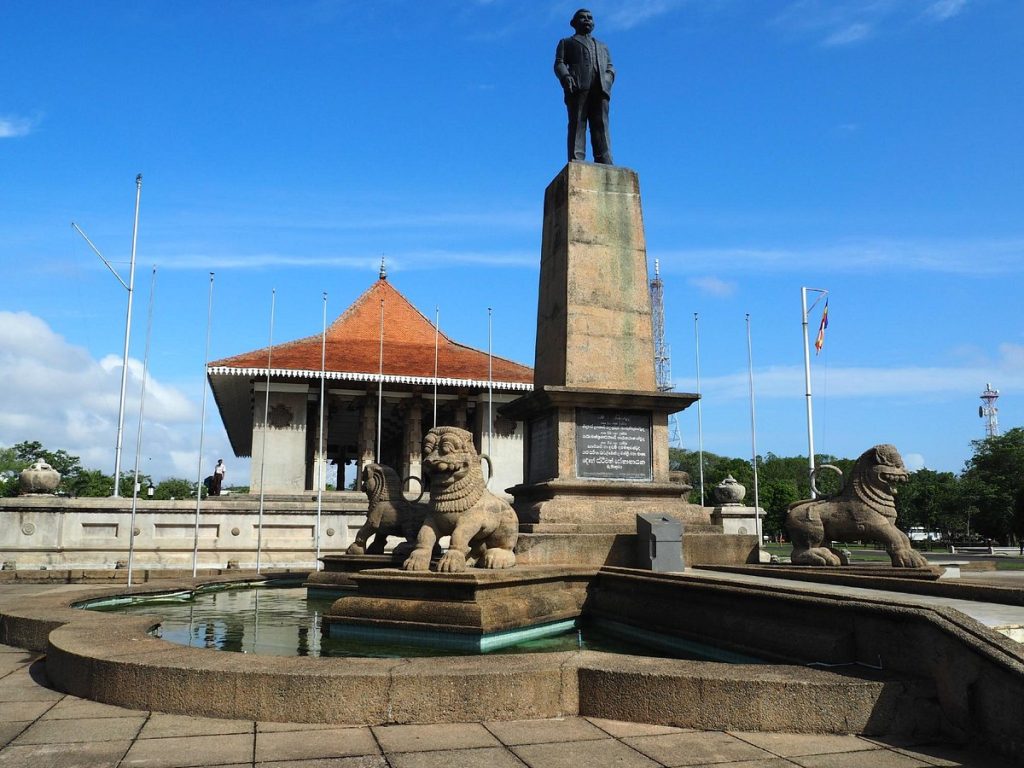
x,y
86,729
796,744
512,733
433,738
97,754
42,728
696,748
162,725
189,751
489,757
593,754
328,743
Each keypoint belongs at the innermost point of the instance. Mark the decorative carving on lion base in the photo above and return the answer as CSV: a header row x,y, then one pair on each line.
x,y
483,528
864,510
389,513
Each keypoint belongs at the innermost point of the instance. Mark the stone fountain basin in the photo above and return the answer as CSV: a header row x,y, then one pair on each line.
x,y
113,659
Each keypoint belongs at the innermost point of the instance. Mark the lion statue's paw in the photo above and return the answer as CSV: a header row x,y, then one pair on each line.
x,y
417,561
355,549
908,558
453,561
499,558
815,556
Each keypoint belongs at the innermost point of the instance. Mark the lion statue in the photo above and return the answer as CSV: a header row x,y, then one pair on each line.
x,y
484,528
865,509
390,513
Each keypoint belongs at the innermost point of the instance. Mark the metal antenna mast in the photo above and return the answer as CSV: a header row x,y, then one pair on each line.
x,y
989,411
662,354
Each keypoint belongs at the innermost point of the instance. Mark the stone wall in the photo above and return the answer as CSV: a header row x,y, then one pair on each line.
x,y
93,533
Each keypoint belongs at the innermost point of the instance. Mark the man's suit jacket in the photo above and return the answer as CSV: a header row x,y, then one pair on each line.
x,y
573,59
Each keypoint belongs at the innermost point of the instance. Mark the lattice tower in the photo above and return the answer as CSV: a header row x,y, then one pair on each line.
x,y
989,411
662,354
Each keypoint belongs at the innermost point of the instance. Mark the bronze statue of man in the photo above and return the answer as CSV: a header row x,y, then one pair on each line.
x,y
584,68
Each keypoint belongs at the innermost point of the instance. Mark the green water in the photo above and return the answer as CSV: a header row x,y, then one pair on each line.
x,y
282,621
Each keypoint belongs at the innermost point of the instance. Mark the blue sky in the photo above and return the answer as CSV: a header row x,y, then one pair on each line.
x,y
871,147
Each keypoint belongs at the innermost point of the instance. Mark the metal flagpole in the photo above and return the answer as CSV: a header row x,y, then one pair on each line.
x,y
130,287
138,439
266,428
380,382
202,436
753,437
807,383
437,321
321,459
700,418
490,390
127,336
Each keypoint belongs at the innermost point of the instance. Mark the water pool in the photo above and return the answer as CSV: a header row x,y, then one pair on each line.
x,y
283,621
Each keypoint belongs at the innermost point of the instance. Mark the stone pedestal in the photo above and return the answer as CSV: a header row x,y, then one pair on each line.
x,y
596,443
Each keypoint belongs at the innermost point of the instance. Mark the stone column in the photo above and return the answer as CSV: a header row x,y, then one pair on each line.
x,y
461,413
367,444
413,443
320,439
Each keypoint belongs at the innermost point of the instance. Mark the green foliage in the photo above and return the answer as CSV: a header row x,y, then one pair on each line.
x,y
89,482
176,488
933,501
993,483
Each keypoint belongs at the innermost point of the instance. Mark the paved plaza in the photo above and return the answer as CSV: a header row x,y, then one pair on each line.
x,y
42,728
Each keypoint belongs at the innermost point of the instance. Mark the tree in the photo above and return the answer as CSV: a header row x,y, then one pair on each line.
x,y
89,482
175,488
994,483
933,501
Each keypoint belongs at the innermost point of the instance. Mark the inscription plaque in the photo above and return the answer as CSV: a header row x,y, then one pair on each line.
x,y
613,445
542,461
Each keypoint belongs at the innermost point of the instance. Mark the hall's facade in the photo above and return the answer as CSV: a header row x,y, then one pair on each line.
x,y
466,383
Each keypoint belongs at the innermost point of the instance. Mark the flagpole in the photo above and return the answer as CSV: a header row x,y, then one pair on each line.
x,y
437,321
490,392
138,439
700,420
753,438
380,382
321,459
266,428
202,435
807,386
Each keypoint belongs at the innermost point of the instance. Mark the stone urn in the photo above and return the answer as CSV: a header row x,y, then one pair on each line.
x,y
40,479
729,492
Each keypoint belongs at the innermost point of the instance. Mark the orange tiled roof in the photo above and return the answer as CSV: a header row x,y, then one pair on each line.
x,y
353,346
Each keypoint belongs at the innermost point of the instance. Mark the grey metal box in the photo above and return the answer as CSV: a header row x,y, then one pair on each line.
x,y
659,543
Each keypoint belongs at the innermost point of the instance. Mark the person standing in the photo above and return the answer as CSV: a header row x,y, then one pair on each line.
x,y
218,477
584,68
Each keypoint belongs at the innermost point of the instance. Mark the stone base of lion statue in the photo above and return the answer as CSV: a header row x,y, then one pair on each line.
x,y
865,510
483,528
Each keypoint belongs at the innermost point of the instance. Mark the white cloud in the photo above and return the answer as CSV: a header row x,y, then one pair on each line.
x,y
941,10
782,381
401,261
57,393
713,286
12,127
847,22
913,461
949,256
635,13
852,33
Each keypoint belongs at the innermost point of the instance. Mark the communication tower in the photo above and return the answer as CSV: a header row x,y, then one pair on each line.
x,y
662,355
989,411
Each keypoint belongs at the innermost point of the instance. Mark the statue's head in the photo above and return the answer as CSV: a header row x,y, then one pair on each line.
x,y
582,22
